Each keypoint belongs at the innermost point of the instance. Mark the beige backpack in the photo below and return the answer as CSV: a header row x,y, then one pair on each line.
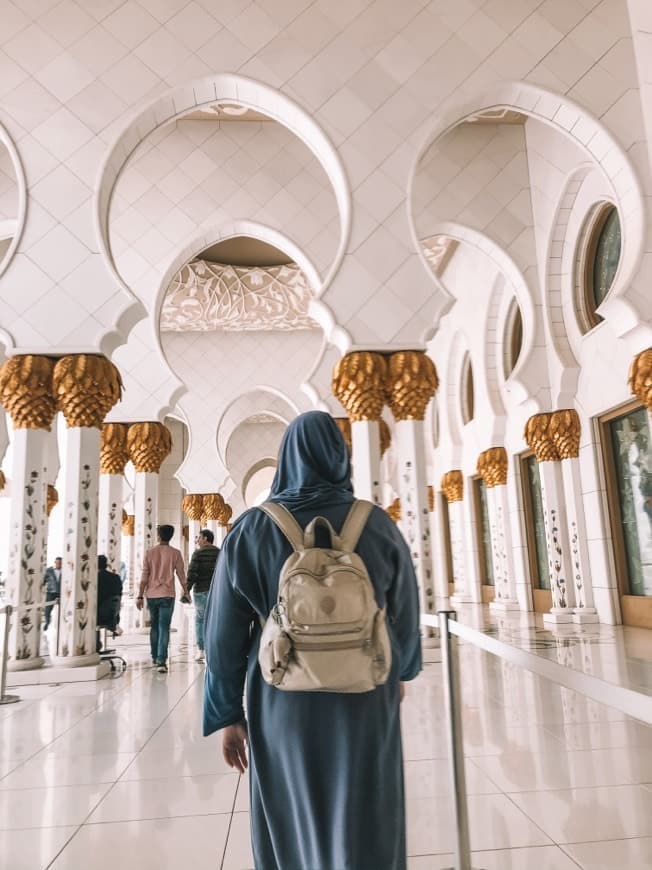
x,y
325,632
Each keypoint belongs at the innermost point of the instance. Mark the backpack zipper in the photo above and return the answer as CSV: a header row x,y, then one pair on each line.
x,y
342,644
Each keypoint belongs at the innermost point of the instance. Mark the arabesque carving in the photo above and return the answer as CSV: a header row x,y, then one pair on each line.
x,y
359,382
129,525
344,425
206,296
212,506
492,466
412,381
640,377
394,510
565,431
452,484
52,498
114,454
148,444
86,387
539,438
193,506
27,392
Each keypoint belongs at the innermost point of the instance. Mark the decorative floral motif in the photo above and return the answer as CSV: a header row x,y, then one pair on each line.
x,y
204,297
555,554
577,567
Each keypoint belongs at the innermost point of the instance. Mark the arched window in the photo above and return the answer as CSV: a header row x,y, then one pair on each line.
x,y
598,263
512,338
467,392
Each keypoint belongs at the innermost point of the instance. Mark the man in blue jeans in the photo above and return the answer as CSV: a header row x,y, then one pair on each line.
x,y
160,565
200,574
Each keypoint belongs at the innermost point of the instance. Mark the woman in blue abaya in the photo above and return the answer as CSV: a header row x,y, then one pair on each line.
x,y
326,773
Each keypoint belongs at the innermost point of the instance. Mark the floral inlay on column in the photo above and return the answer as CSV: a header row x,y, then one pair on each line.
x,y
114,455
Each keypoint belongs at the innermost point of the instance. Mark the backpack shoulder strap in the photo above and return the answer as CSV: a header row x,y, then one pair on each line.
x,y
286,523
354,524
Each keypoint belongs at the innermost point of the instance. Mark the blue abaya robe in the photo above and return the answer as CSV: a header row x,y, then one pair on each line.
x,y
325,769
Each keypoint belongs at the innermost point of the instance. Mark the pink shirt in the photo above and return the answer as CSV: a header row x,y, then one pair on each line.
x,y
159,566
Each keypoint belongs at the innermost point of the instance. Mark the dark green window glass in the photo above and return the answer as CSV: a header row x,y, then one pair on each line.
x,y
536,500
630,441
606,258
485,533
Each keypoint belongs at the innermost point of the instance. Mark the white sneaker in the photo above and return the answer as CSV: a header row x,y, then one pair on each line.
x,y
200,657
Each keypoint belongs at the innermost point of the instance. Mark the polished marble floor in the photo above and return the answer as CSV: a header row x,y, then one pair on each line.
x,y
116,773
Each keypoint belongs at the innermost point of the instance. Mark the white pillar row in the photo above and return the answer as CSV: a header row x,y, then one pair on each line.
x,y
193,507
452,485
129,554
148,445
579,555
27,393
86,388
471,555
359,382
493,469
440,539
113,458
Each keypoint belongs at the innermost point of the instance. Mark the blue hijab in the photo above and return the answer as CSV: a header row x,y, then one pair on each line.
x,y
314,468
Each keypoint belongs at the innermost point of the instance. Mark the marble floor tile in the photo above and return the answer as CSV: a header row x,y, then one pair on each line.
x,y
535,858
48,807
432,778
238,854
590,814
190,842
47,770
631,854
166,798
194,761
32,849
602,735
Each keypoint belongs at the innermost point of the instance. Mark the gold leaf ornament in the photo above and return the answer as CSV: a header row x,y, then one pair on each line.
x,y
193,506
344,425
565,431
412,382
538,437
114,453
359,382
452,485
27,392
86,387
212,506
225,519
385,436
640,377
148,445
394,510
492,466
128,525
52,499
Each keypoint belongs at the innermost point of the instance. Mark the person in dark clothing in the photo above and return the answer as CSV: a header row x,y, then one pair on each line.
x,y
109,593
52,583
200,573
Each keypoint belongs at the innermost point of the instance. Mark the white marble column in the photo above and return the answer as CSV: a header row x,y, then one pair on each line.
x,y
193,507
365,439
113,458
26,391
129,554
585,611
440,538
493,467
86,387
462,593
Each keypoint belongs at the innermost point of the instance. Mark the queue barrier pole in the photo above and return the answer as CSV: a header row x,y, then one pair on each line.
x,y
5,699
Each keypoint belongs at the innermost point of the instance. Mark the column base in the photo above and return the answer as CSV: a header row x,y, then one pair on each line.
x,y
503,605
585,615
76,661
56,674
558,616
31,664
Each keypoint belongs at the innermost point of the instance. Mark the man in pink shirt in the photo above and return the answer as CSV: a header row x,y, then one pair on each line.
x,y
159,567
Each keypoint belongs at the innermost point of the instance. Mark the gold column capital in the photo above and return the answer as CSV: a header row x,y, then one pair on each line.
x,y
3,480
565,430
539,438
128,525
431,498
452,484
212,506
394,510
359,380
385,436
148,445
344,425
412,381
52,499
492,466
640,377
192,505
27,392
225,518
86,387
114,453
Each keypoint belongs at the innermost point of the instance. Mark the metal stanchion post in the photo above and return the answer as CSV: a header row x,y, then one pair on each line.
x,y
453,696
5,699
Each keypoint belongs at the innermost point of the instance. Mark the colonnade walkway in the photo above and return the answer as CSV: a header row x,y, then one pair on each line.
x,y
116,773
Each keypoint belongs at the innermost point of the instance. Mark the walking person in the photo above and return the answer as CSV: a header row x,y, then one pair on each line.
x,y
326,772
200,573
52,583
160,565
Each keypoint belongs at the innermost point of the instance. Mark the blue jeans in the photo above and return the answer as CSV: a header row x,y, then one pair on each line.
x,y
200,599
160,613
